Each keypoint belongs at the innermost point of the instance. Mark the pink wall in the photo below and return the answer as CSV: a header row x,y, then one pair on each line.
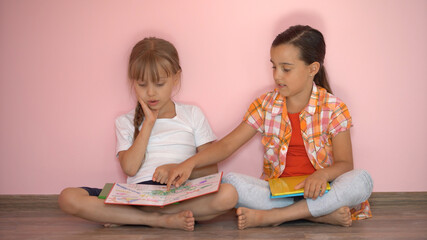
x,y
63,80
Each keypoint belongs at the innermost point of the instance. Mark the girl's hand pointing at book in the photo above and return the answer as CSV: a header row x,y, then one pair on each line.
x,y
161,174
179,174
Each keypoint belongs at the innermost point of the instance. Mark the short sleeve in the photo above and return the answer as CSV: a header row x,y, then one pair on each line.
x,y
340,120
202,132
255,115
124,134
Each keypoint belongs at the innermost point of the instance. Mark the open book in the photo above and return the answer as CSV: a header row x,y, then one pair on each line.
x,y
285,186
157,195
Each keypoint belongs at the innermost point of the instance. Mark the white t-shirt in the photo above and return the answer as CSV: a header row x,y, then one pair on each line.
x,y
172,140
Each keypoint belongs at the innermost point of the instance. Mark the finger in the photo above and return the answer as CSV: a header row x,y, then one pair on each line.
x,y
300,185
174,182
160,179
141,102
323,189
164,179
144,106
306,189
316,191
180,181
309,190
171,181
155,176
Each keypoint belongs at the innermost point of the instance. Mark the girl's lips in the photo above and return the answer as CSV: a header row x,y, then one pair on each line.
x,y
152,103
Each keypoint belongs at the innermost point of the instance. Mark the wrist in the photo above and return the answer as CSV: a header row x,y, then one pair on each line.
x,y
323,174
148,123
191,163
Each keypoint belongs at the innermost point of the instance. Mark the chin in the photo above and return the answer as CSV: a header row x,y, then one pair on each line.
x,y
284,93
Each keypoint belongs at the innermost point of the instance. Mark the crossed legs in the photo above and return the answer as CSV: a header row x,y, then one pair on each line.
x,y
255,208
77,202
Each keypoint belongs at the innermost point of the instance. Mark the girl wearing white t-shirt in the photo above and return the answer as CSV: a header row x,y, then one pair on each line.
x,y
157,132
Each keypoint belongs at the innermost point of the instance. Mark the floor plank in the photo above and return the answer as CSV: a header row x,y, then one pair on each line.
x,y
396,216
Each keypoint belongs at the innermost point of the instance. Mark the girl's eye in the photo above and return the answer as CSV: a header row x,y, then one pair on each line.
x,y
142,84
286,69
160,84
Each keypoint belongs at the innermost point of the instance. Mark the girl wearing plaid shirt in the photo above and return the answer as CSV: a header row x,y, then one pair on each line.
x,y
306,131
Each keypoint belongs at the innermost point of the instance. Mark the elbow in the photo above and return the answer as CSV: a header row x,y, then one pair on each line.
x,y
348,166
129,173
127,168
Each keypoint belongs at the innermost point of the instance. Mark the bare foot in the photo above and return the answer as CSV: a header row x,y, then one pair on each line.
x,y
182,220
341,217
247,218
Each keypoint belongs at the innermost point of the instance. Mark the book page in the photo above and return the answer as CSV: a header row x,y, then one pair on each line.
x,y
157,195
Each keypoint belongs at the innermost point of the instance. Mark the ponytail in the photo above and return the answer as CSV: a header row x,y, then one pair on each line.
x,y
312,48
321,79
139,117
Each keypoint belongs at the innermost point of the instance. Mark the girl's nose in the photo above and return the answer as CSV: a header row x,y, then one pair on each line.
x,y
150,90
276,74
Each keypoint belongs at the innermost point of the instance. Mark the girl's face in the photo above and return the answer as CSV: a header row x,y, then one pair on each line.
x,y
157,95
293,76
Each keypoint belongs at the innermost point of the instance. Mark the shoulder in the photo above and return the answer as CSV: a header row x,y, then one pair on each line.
x,y
126,119
267,102
334,108
266,99
188,110
327,100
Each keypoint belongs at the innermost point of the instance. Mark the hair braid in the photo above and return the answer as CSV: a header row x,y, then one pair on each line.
x,y
139,117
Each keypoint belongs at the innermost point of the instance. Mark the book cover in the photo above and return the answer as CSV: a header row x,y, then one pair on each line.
x,y
158,195
285,186
105,190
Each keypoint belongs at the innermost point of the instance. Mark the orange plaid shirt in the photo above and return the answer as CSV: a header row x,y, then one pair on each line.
x,y
324,117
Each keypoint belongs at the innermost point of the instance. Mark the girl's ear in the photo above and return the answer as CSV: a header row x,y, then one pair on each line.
x,y
177,78
132,85
176,83
314,68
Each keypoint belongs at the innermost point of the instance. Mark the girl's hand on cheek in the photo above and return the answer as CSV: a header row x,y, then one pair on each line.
x,y
150,115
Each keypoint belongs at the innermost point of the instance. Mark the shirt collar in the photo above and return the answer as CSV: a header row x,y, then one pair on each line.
x,y
278,104
312,103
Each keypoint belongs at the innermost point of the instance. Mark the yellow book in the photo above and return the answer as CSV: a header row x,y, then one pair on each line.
x,y
285,186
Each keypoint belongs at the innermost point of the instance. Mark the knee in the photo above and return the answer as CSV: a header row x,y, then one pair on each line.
x,y
68,201
355,187
237,180
365,179
230,178
226,198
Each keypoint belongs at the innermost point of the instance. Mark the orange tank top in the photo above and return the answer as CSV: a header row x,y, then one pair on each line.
x,y
297,161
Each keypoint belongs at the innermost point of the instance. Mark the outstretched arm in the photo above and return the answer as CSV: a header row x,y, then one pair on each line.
x,y
215,153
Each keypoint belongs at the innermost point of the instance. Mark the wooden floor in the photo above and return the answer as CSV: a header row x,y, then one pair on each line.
x,y
396,216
